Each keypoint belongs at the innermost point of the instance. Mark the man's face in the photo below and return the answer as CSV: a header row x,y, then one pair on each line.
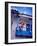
x,y
21,23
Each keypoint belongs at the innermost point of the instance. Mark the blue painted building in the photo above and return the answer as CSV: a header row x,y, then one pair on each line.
x,y
18,13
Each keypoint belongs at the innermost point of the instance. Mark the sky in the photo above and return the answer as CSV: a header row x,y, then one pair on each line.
x,y
25,10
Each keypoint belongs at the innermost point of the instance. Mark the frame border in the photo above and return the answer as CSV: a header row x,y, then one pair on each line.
x,y
6,22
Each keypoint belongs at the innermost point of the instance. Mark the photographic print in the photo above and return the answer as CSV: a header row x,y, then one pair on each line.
x,y
20,18
21,22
